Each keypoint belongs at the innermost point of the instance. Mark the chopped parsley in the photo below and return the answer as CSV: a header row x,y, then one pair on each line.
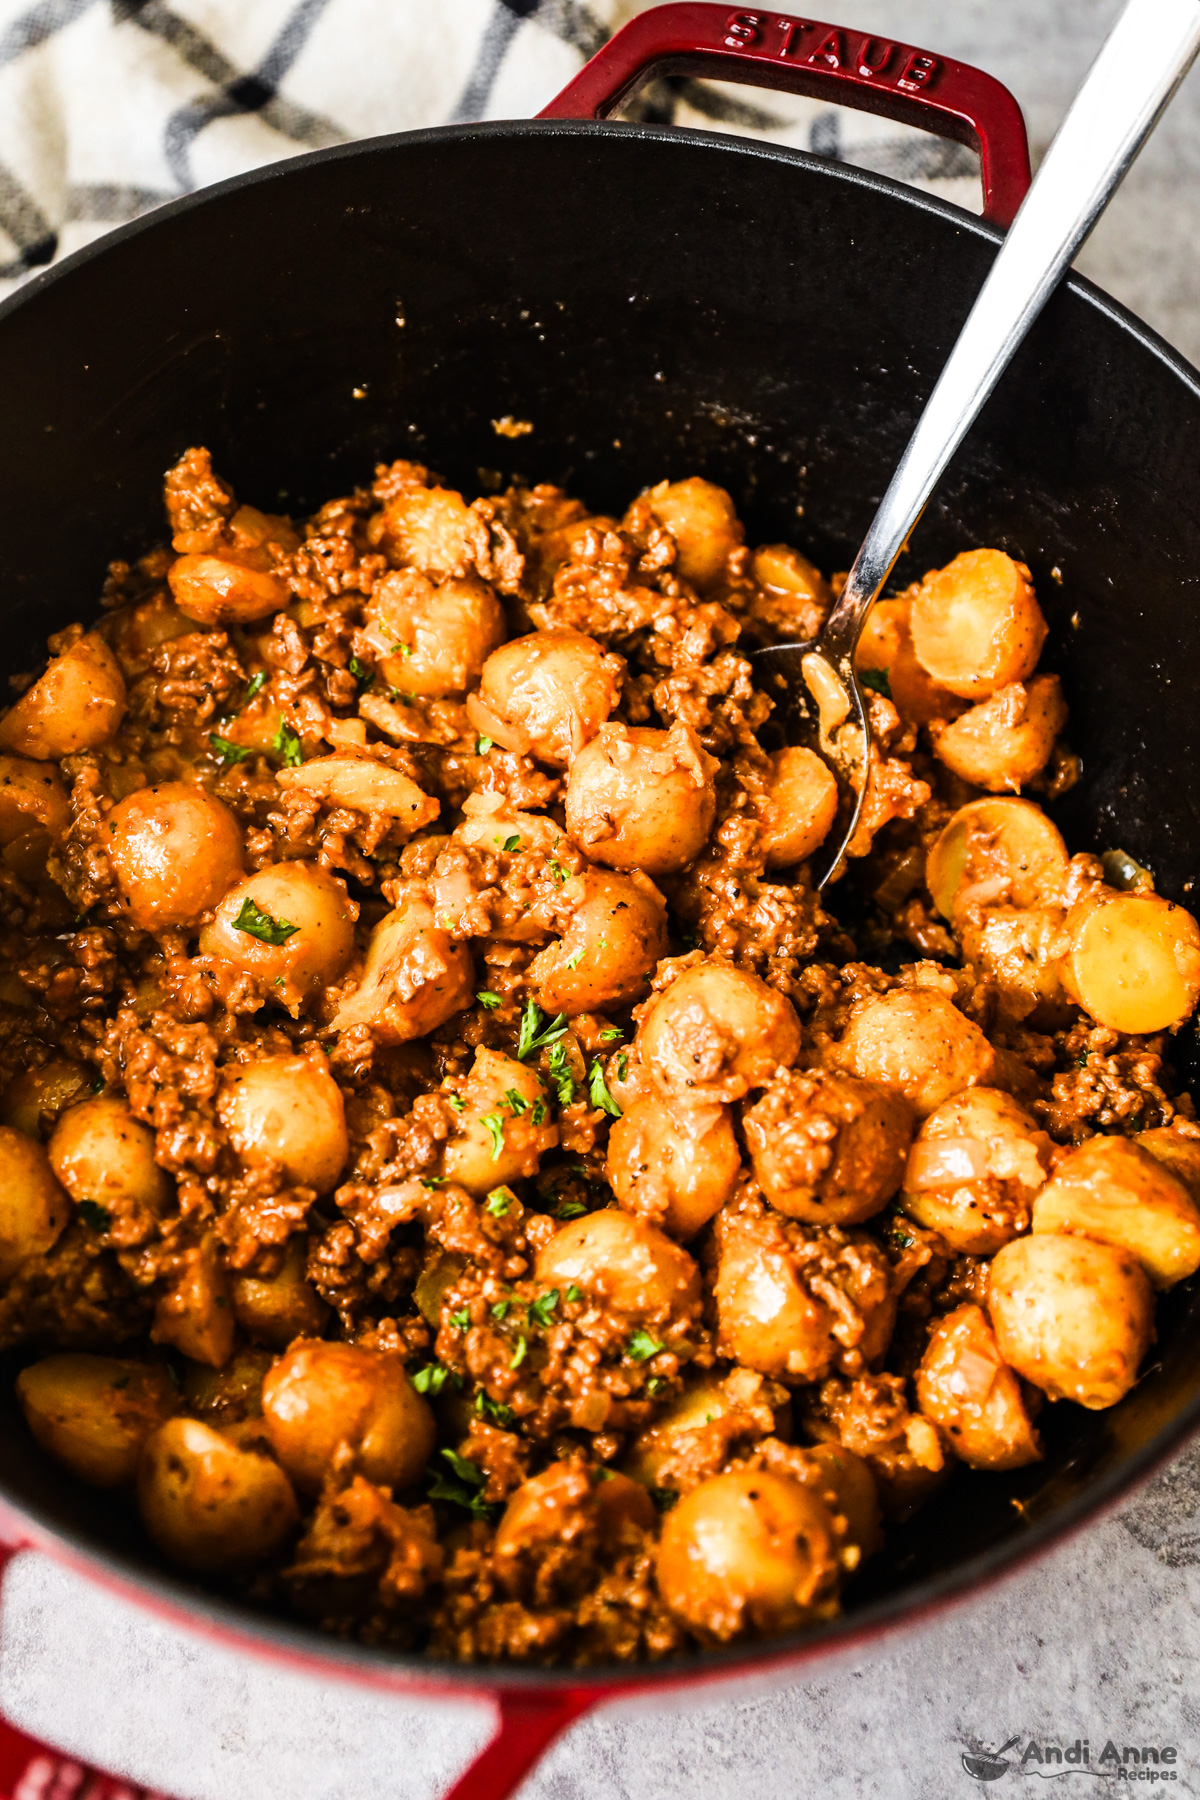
x,y
574,1293
500,1308
457,1102
433,1181
510,843
499,1202
876,680
535,1033
520,1353
228,753
538,1115
488,1000
259,924
286,745
463,1487
641,1346
487,1408
575,958
612,1034
556,869
516,1103
664,1498
494,1125
461,1320
360,672
483,745
433,1378
255,685
94,1216
541,1309
904,1240
570,1209
598,1091
560,1074
655,1384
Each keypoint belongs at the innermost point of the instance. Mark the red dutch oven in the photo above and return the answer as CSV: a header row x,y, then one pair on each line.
x,y
657,303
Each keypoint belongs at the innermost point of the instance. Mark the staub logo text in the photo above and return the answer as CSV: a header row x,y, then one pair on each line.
x,y
1050,1761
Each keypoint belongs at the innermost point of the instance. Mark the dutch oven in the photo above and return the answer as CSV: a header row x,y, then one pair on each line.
x,y
658,303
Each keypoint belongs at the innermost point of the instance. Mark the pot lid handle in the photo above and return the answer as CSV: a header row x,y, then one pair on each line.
x,y
825,62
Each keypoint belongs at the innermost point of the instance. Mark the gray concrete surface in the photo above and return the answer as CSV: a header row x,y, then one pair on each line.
x,y
1101,1640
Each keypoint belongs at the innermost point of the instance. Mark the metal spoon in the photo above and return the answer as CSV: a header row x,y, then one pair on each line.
x,y
1143,60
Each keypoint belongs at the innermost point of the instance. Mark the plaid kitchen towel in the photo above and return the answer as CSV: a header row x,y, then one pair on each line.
x,y
109,107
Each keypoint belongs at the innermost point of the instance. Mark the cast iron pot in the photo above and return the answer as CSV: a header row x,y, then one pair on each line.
x,y
657,303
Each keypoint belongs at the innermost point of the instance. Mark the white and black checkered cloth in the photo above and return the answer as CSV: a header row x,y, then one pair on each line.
x,y
109,107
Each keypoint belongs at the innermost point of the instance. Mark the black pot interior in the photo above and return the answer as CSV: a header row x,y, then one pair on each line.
x,y
657,304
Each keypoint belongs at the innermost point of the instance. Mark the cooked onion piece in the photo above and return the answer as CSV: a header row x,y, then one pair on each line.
x,y
414,979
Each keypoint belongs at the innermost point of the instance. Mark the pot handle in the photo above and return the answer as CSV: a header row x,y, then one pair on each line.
x,y
30,1770
825,62
526,1726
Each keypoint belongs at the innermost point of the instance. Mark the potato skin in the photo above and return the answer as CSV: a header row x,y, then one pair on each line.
x,y
274,1309
615,934
175,851
32,799
976,625
78,703
993,1159
47,1090
1133,961
800,807
209,1506
673,1175
998,840
964,1386
547,695
1005,742
642,799
34,1210
767,1318
319,1396
288,1110
827,1147
433,641
624,1263
748,1552
415,978
701,518
1073,1317
100,1152
715,1033
94,1413
1114,1192
918,1043
471,1157
315,955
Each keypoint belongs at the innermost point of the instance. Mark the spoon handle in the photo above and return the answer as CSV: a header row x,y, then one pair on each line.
x,y
1143,60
